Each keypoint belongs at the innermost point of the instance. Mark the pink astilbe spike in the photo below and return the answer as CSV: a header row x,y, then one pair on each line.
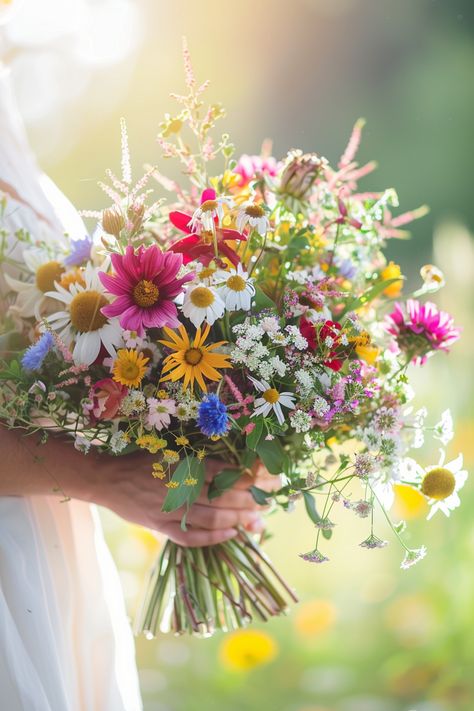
x,y
409,216
112,194
353,145
234,389
126,166
188,67
118,184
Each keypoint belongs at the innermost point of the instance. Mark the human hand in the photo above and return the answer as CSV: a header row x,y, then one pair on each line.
x,y
125,485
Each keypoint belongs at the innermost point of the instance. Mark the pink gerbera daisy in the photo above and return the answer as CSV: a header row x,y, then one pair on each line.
x,y
421,329
145,284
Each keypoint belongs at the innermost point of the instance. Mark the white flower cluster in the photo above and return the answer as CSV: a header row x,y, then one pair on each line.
x,y
250,350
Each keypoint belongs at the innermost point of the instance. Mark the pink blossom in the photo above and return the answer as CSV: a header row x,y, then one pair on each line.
x,y
159,412
145,284
106,397
421,329
251,167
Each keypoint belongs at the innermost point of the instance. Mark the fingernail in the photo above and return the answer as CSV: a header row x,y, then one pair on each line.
x,y
256,526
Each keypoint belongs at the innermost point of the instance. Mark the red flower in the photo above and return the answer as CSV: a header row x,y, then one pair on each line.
x,y
316,337
201,246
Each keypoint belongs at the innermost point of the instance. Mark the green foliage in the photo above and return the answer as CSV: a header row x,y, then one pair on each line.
x,y
190,467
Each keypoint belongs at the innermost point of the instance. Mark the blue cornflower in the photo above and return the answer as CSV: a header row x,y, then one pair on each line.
x,y
80,252
34,356
212,416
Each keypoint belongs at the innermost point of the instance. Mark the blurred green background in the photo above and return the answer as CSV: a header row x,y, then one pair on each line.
x,y
366,636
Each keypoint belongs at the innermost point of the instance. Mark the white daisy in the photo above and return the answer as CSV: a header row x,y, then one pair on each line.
x,y
207,212
236,289
44,271
202,303
254,215
441,483
271,400
82,323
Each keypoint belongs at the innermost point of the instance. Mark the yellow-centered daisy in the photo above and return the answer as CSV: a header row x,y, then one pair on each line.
x,y
194,360
129,367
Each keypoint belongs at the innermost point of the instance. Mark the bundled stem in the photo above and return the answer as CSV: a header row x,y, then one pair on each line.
x,y
201,590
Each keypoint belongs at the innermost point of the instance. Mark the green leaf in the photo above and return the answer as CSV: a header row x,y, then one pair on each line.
x,y
368,295
248,458
254,437
310,506
223,481
259,495
184,494
297,245
272,455
261,300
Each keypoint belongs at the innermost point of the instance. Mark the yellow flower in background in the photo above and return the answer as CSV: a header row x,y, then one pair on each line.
x,y
145,536
409,502
315,617
368,353
243,650
392,271
129,367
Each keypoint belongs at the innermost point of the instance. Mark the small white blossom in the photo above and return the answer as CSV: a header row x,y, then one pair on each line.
x,y
300,421
118,441
412,557
444,428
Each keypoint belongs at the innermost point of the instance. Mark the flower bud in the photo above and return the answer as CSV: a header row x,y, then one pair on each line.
x,y
135,214
299,173
113,221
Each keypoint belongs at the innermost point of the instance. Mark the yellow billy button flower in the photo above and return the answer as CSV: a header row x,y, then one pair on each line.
x,y
182,441
129,367
192,360
151,442
392,271
158,471
438,483
246,649
172,484
190,481
170,456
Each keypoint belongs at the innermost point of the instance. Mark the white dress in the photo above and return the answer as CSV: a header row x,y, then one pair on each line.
x,y
65,641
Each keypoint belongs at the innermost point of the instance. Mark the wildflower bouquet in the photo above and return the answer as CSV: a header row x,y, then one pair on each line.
x,y
251,318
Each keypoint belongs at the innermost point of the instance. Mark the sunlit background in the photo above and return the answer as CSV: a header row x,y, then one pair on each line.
x,y
366,636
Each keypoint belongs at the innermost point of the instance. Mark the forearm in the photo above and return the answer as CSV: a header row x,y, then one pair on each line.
x,y
28,468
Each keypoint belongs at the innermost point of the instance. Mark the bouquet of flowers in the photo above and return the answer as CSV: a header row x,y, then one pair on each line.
x,y
251,318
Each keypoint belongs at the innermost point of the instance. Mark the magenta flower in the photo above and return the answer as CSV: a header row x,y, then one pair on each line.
x,y
421,329
145,285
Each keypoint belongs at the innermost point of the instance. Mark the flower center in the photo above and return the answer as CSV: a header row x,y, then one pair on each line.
x,y
438,483
209,205
145,293
271,395
193,356
85,311
74,277
47,274
207,237
254,211
202,297
236,283
129,370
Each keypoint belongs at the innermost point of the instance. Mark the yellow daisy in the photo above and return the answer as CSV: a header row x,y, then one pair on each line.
x,y
129,367
192,361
